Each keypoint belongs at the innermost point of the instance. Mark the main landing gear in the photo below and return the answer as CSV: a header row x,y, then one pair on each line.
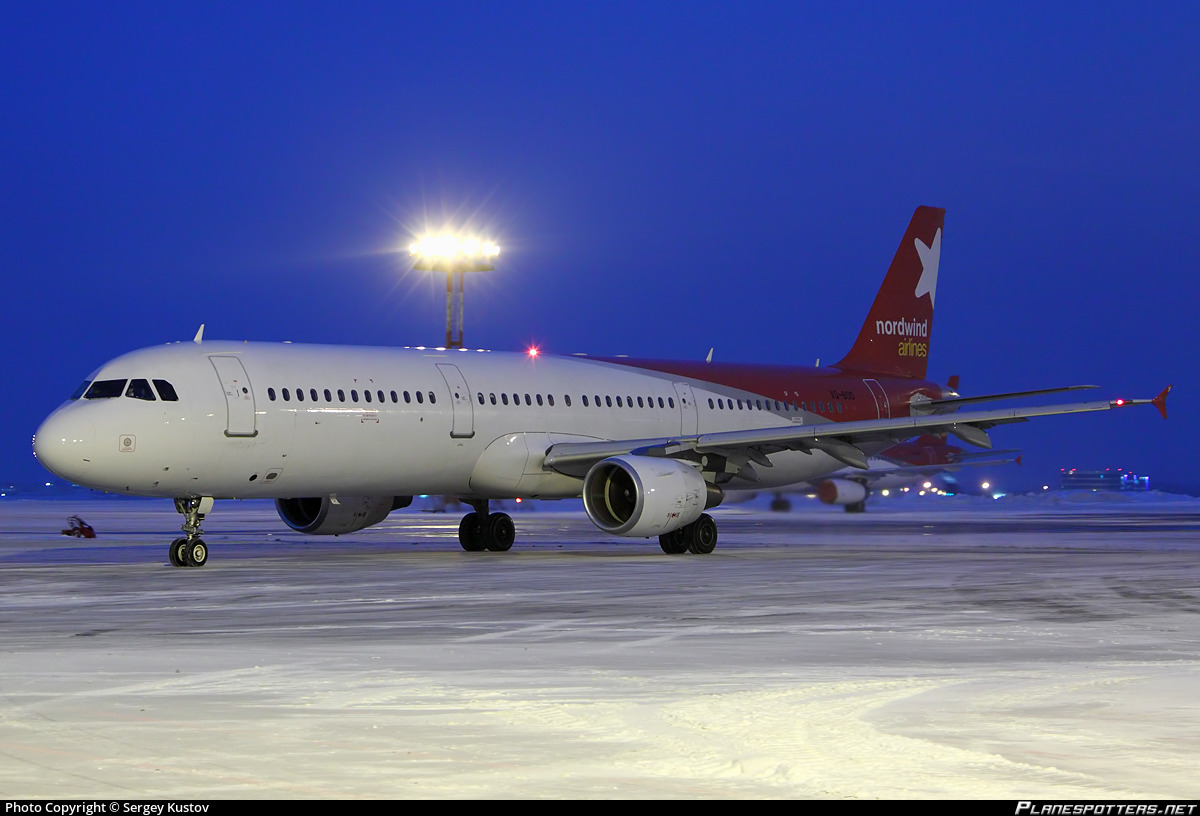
x,y
699,537
480,530
190,551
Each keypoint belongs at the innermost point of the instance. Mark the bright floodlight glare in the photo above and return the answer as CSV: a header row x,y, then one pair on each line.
x,y
451,247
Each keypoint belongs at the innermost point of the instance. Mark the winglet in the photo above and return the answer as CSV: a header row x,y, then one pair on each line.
x,y
1018,461
1160,402
199,334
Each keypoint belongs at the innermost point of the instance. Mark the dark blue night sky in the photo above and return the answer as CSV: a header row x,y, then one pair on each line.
x,y
663,177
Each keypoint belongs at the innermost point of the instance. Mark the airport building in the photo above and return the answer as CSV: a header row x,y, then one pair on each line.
x,y
1109,479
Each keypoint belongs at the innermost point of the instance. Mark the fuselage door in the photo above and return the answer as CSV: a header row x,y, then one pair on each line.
x,y
687,409
881,400
239,397
463,412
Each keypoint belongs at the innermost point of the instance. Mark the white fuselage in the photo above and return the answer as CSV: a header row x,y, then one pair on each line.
x,y
383,421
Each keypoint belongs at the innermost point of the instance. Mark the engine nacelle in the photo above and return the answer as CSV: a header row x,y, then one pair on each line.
x,y
842,491
645,496
334,515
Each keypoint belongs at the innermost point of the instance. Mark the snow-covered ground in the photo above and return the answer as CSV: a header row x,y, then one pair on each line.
x,y
1046,648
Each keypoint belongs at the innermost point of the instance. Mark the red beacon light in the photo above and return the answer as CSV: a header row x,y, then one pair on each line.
x,y
533,352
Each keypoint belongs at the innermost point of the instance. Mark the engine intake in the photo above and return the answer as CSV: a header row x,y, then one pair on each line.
x,y
643,496
334,515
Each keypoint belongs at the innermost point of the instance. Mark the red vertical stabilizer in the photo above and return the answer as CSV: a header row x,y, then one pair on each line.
x,y
894,340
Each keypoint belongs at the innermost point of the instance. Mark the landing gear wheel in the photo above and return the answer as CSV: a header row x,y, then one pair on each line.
x,y
673,543
195,553
780,505
500,533
701,535
857,507
470,533
175,553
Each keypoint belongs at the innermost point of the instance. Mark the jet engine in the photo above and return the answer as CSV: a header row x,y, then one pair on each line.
x,y
334,515
643,496
842,491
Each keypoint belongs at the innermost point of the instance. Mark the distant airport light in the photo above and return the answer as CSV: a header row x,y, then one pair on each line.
x,y
986,485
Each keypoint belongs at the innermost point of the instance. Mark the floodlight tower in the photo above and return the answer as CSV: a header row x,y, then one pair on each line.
x,y
455,257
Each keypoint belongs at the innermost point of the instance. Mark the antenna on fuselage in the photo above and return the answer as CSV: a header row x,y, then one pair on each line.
x,y
199,334
708,359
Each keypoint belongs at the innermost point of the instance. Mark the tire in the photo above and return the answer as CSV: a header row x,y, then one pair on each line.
x,y
195,553
470,533
673,543
175,553
500,533
701,535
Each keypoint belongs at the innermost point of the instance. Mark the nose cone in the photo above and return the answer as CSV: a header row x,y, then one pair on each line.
x,y
65,444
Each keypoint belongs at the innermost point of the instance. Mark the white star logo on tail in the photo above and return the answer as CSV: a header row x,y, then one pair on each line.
x,y
929,255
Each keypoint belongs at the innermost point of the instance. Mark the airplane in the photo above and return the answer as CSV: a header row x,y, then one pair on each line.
x,y
899,466
341,436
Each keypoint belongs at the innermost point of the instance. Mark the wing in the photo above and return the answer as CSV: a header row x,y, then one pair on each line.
x,y
840,440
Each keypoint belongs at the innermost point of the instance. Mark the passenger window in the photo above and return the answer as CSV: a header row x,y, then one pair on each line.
x,y
585,401
567,399
140,389
367,396
407,397
328,396
619,403
492,399
312,392
341,395
641,404
166,391
550,399
608,401
380,395
710,403
504,398
432,398
299,395
660,402
394,397
271,394
539,400
528,401
287,396
479,396
105,389
420,398
671,401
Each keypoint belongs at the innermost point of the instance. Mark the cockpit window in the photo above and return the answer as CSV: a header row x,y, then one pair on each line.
x,y
79,391
105,389
166,391
139,389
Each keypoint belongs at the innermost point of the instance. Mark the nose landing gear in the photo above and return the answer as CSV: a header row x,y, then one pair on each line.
x,y
190,551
